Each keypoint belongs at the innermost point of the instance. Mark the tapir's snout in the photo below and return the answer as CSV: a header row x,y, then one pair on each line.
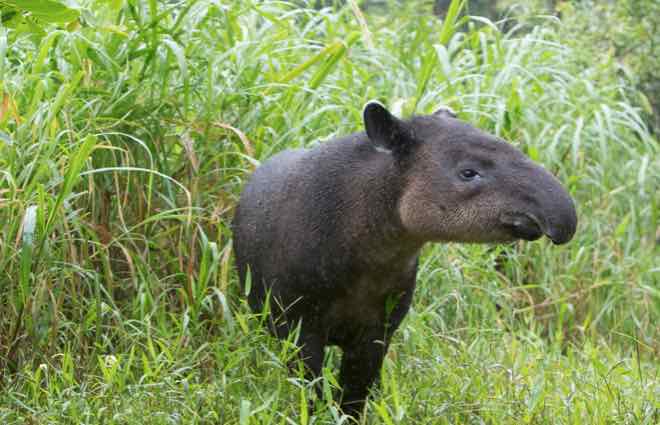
x,y
562,220
557,210
548,210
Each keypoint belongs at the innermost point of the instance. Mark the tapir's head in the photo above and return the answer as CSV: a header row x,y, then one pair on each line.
x,y
461,184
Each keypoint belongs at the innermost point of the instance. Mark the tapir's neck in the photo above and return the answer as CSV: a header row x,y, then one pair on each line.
x,y
390,254
372,216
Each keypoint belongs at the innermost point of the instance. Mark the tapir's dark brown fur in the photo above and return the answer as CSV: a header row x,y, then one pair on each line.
x,y
333,233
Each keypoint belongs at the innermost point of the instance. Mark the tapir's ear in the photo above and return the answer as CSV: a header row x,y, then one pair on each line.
x,y
445,111
383,128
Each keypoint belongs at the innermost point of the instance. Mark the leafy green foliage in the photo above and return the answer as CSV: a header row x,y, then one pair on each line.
x,y
47,11
126,135
631,44
33,16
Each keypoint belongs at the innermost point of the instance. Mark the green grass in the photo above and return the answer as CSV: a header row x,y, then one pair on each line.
x,y
125,138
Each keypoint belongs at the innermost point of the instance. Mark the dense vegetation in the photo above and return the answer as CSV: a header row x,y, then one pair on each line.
x,y
127,129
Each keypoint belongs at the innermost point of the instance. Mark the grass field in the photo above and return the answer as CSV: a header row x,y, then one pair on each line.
x,y
127,132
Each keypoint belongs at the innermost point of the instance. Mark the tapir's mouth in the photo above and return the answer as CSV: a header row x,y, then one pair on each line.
x,y
523,225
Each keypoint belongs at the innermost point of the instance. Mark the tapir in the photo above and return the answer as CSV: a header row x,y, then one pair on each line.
x,y
329,237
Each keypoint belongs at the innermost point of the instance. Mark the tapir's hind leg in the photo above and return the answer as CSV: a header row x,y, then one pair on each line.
x,y
311,352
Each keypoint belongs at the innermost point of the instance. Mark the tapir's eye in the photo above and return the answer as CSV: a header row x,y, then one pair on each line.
x,y
469,174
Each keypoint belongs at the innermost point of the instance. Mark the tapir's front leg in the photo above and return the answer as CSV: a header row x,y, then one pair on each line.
x,y
360,369
363,359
